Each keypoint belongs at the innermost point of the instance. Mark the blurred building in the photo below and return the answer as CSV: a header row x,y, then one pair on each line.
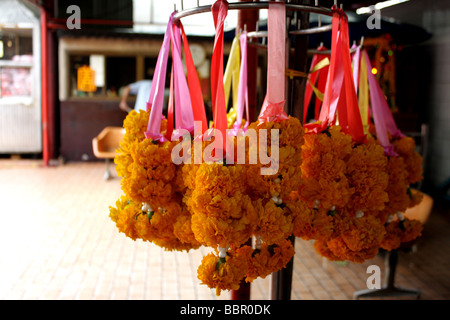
x,y
20,75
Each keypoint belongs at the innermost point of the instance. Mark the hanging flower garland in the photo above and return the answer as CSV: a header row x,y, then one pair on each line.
x,y
366,173
222,212
401,230
222,271
166,227
327,184
323,169
265,259
287,176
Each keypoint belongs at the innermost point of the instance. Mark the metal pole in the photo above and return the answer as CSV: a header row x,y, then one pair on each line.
x,y
247,20
281,285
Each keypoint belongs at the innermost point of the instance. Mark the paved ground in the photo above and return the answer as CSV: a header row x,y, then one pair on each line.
x,y
57,242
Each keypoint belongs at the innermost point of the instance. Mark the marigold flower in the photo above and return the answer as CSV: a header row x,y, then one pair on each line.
x,y
405,147
222,274
366,173
222,212
341,252
324,168
358,239
396,189
124,216
265,260
274,223
287,178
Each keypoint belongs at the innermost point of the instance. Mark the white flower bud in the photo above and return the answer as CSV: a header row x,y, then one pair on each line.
x,y
223,252
146,207
316,204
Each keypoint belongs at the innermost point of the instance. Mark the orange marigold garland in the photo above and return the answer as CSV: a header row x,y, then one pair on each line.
x,y
266,259
287,175
324,156
326,188
222,212
401,230
158,226
405,147
397,188
366,173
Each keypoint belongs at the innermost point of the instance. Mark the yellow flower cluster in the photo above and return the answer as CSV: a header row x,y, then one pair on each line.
x,y
323,187
232,204
288,175
151,208
181,207
350,192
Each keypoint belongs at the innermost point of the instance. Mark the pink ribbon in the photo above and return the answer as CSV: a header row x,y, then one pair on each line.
x,y
382,116
273,106
155,101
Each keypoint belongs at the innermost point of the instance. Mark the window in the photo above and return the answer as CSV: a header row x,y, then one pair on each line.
x,y
117,72
120,71
16,59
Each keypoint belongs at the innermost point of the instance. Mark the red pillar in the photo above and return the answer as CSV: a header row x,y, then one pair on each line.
x,y
44,88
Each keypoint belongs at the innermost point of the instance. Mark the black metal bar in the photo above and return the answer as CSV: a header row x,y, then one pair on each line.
x,y
281,285
390,290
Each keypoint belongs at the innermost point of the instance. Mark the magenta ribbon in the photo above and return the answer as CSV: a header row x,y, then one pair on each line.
x,y
156,99
382,116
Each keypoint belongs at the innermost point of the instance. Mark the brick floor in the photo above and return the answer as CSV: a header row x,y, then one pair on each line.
x,y
57,242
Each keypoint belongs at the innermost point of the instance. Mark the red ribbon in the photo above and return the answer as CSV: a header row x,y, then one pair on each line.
x,y
219,11
340,93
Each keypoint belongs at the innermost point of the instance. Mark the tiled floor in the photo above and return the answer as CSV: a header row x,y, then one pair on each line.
x,y
57,242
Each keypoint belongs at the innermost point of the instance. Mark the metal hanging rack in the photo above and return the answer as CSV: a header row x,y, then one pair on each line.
x,y
281,281
250,5
316,8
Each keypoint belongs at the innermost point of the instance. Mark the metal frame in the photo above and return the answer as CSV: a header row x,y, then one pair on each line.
x,y
252,5
281,280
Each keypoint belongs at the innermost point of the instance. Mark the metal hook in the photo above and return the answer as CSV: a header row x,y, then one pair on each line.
x,y
319,17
